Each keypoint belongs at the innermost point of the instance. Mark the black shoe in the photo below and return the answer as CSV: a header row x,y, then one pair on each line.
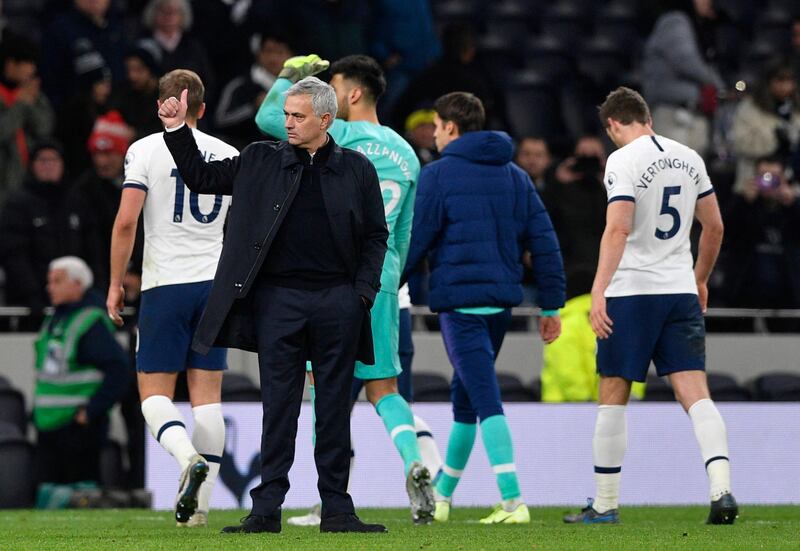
x,y
254,524
723,511
348,522
191,479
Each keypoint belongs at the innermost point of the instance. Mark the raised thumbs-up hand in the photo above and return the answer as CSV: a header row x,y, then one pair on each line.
x,y
172,111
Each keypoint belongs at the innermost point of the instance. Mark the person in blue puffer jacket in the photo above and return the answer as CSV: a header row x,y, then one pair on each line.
x,y
475,215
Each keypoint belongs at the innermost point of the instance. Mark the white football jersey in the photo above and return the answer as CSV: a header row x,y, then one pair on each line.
x,y
182,230
664,179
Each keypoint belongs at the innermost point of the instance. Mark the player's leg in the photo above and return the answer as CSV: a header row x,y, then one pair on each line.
x,y
681,355
208,436
427,445
399,422
380,381
397,418
623,357
472,343
497,440
459,448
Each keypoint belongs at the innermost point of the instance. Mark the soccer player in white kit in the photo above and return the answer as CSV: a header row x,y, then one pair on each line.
x,y
648,302
183,241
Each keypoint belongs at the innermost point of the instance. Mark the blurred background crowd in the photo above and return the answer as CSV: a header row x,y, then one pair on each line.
x,y
79,83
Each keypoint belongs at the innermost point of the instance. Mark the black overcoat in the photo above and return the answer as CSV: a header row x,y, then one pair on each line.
x,y
263,181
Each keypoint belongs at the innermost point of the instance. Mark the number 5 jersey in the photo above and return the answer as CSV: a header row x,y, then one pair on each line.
x,y
664,179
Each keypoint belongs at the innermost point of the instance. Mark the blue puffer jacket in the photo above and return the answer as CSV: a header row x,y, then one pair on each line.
x,y
475,214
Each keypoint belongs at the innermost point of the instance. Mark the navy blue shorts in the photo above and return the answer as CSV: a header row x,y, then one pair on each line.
x,y
667,329
168,318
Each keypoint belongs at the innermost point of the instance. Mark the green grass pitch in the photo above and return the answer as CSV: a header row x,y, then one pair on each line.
x,y
642,528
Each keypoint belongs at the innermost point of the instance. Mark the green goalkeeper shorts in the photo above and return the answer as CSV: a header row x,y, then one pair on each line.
x,y
385,336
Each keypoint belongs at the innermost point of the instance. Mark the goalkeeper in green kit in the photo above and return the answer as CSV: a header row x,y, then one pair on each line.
x,y
359,82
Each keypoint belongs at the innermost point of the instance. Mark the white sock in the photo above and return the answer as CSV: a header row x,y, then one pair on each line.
x,y
428,449
709,429
209,441
610,441
167,427
509,505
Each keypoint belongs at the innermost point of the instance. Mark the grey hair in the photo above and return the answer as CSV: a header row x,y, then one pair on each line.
x,y
323,96
149,15
76,268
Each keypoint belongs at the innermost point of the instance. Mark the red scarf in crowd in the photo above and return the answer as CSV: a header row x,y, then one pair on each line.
x,y
9,97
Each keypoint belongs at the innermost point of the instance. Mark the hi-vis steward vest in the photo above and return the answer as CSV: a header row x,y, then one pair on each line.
x,y
62,384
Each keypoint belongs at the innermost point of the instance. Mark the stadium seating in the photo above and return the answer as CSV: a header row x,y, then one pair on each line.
x,y
774,27
12,408
777,387
566,21
237,387
430,387
512,389
658,390
724,388
548,56
16,476
532,106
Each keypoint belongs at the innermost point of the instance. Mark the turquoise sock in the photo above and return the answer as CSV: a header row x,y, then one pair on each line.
x,y
399,422
462,437
497,441
313,416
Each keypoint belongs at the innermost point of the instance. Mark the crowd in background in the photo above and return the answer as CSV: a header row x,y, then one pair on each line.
x,y
79,83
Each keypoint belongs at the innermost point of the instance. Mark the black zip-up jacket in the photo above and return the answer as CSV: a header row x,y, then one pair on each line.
x,y
263,181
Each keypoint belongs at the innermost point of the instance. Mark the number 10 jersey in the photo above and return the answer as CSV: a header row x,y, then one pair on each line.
x,y
664,179
182,230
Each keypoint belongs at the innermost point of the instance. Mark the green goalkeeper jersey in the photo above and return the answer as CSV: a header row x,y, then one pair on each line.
x,y
394,160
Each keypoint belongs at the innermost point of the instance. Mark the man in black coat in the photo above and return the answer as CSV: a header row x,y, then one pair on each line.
x,y
299,270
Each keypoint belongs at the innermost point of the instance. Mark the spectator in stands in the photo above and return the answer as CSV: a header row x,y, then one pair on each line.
x,y
404,42
139,93
25,114
90,26
242,96
93,200
81,372
79,113
169,22
533,156
419,133
332,29
763,240
33,228
458,69
767,123
680,86
576,199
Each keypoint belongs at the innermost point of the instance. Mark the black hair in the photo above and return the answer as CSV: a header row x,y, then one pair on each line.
x,y
18,48
365,71
462,108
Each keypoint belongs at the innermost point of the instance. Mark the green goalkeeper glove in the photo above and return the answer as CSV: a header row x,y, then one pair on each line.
x,y
302,66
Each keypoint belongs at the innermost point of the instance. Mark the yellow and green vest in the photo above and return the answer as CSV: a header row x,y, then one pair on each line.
x,y
62,383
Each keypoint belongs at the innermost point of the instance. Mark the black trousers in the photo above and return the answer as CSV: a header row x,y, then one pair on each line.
x,y
71,453
294,326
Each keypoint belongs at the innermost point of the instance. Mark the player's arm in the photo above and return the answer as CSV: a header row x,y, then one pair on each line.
x,y
707,213
123,236
619,223
212,178
270,117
